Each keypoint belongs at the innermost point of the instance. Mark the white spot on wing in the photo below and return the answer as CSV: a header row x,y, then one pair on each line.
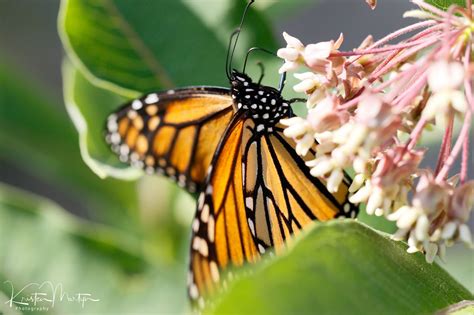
x,y
347,207
112,124
205,213
249,202
137,104
152,98
201,201
251,226
124,149
203,248
193,291
195,225
210,229
115,138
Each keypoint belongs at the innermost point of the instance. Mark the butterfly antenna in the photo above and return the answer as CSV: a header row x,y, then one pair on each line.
x,y
236,34
255,49
227,65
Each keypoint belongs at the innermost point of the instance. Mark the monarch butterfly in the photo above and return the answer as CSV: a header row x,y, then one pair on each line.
x,y
228,145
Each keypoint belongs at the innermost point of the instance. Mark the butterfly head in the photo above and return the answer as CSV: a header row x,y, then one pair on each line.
x,y
263,103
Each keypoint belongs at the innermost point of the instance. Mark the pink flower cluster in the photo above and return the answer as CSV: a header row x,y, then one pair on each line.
x,y
368,108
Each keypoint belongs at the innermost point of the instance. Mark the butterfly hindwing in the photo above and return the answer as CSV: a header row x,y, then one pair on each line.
x,y
174,133
281,197
258,193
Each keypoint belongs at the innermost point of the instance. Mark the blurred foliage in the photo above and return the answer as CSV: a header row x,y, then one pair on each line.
x,y
131,250
83,257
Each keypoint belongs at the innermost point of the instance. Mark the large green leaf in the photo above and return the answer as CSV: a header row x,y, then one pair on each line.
x,y
88,107
445,4
343,267
40,242
130,46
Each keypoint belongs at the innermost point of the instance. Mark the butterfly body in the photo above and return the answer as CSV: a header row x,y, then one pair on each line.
x,y
263,103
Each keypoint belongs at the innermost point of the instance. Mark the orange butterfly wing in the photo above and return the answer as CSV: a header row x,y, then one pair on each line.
x,y
174,133
259,192
221,236
281,197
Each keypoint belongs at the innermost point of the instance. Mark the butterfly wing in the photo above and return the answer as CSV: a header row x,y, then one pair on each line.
x,y
258,193
174,133
221,235
281,197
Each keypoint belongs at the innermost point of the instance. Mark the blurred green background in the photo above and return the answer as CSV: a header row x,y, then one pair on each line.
x,y
62,217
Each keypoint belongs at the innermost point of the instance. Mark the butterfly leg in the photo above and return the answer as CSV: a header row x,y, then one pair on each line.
x,y
282,82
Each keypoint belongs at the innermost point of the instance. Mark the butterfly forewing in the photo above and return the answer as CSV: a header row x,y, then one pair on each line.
x,y
174,133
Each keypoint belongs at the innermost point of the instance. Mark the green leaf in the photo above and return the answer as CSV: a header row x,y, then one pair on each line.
x,y
88,107
343,267
459,264
130,46
445,4
461,308
40,242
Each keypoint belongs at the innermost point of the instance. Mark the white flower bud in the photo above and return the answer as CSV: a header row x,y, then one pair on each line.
x,y
304,144
409,217
335,180
379,212
292,41
322,168
361,195
357,183
295,130
448,230
375,200
288,53
400,234
431,251
422,227
465,234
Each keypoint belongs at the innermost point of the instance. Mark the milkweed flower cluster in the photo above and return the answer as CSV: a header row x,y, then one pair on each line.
x,y
367,110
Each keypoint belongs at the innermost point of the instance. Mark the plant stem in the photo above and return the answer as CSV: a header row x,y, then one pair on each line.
x,y
464,160
469,8
381,50
445,145
456,149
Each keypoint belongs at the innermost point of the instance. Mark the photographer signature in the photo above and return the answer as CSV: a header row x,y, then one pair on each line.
x,y
45,295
